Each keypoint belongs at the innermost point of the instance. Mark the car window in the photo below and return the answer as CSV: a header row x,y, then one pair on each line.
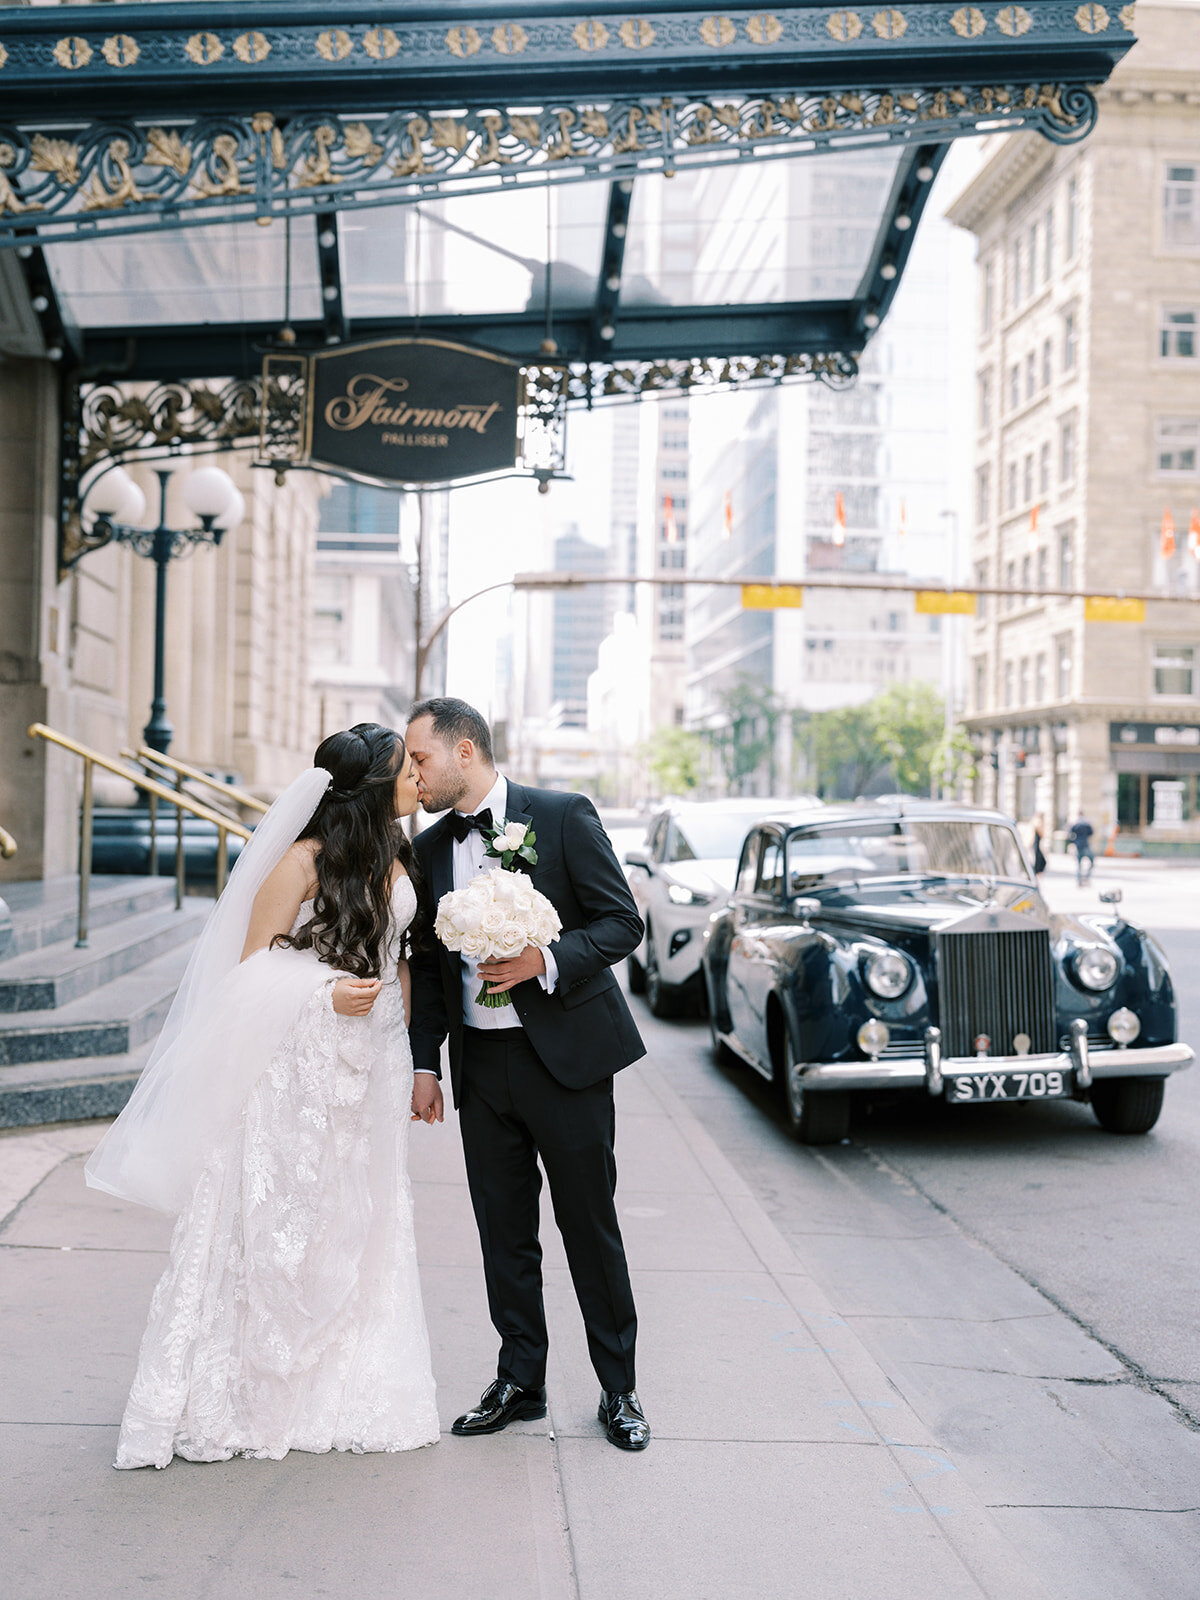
x,y
891,848
748,867
770,872
656,837
678,848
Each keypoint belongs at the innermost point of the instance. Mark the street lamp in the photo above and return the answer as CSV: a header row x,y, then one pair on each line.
x,y
118,505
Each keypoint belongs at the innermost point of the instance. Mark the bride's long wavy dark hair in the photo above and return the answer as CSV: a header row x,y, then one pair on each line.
x,y
360,839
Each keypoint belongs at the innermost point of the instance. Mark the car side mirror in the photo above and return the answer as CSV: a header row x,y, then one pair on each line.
x,y
637,858
1110,897
802,906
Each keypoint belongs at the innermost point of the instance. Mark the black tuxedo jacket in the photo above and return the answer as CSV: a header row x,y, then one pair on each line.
x,y
582,1032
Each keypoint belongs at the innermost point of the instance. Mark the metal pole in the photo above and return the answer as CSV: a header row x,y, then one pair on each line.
x,y
180,860
158,732
152,868
85,857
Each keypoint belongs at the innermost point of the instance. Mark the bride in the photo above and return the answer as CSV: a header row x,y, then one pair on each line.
x,y
273,1119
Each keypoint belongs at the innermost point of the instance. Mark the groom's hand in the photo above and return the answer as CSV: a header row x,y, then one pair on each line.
x,y
427,1104
500,974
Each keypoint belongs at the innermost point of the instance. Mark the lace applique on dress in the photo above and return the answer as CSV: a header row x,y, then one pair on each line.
x,y
290,1315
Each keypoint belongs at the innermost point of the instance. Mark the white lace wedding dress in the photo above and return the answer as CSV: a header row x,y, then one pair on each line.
x,y
290,1316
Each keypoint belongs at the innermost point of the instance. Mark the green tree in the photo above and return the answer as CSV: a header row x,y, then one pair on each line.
x,y
910,721
846,750
955,762
745,740
674,758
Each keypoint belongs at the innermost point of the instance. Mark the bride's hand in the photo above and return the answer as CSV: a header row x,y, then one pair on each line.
x,y
354,997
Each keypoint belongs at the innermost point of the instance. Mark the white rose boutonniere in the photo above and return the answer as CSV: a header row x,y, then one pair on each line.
x,y
509,842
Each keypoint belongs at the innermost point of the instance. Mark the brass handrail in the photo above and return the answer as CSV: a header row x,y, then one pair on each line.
x,y
241,796
8,845
91,760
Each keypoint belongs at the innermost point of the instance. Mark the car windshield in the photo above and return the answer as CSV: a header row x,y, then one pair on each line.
x,y
887,849
709,835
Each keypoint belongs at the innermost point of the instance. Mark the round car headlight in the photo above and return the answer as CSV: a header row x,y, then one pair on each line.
x,y
873,1038
1123,1026
888,974
1096,968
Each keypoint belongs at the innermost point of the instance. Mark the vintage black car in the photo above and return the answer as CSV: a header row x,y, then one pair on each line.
x,y
904,945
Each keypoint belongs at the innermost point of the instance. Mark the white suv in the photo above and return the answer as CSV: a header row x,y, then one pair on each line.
x,y
682,873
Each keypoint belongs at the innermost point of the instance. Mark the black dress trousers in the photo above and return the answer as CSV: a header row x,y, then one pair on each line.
x,y
512,1111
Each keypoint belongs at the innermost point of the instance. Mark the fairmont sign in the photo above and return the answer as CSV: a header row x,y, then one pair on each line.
x,y
412,411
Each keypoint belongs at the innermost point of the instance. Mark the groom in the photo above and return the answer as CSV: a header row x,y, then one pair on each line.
x,y
533,1078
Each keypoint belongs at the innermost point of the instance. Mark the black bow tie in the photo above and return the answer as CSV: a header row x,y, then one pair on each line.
x,y
461,826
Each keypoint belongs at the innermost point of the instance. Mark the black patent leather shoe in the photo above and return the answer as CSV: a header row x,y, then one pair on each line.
x,y
501,1404
624,1420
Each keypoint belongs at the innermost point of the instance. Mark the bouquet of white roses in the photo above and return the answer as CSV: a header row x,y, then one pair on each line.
x,y
497,914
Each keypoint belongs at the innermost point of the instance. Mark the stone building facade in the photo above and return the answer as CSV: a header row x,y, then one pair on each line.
x,y
1088,430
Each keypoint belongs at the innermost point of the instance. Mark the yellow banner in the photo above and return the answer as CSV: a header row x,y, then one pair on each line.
x,y
1104,608
942,602
771,596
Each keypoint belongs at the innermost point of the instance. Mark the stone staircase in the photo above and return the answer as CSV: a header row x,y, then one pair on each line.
x,y
76,1026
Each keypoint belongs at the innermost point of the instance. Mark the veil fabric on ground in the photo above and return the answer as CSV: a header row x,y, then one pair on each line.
x,y
290,1315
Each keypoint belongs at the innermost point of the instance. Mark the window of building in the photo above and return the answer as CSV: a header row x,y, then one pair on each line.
x,y
984,395
893,621
1027,479
1174,671
1015,272
1023,682
1066,450
981,683
1010,496
1044,470
1070,342
1043,567
1181,206
1066,561
1033,257
1039,677
1047,362
1175,444
1048,244
672,555
1010,583
988,297
1014,386
1008,684
1027,573
1030,375
982,492
981,578
1177,333
1062,667
673,472
1072,217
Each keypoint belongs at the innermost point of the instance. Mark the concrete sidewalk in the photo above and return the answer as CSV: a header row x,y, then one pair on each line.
x,y
784,1464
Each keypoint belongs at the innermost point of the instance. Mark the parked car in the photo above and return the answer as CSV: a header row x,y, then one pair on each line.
x,y
682,871
906,947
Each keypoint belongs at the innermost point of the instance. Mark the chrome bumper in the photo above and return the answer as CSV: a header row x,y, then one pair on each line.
x,y
930,1070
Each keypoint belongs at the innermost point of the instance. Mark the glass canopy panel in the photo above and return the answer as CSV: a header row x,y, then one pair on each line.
x,y
232,272
757,232
472,254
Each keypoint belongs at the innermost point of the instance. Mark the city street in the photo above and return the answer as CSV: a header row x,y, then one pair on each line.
x,y
1028,1283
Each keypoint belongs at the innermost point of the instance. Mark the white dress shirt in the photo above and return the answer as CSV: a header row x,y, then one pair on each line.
x,y
469,861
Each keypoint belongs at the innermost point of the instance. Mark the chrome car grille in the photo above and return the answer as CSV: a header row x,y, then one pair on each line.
x,y
999,984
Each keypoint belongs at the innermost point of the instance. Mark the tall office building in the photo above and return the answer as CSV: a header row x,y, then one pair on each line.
x,y
1088,451
581,620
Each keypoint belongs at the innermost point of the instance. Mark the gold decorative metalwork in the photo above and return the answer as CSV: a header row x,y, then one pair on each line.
x,y
204,49
226,178
718,32
1127,19
98,197
1013,21
335,44
594,123
264,124
120,50
410,162
10,200
527,129
844,25
56,156
361,145
561,149
626,143
463,41
968,22
165,149
636,34
318,167
590,35
72,53
252,47
450,133
510,38
889,24
764,28
1091,19
381,44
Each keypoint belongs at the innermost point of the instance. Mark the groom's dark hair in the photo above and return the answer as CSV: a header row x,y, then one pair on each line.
x,y
454,720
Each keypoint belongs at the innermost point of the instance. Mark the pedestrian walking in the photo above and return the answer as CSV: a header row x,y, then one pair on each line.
x,y
1079,834
1037,835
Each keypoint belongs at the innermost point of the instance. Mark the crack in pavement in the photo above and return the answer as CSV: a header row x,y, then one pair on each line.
x,y
1037,1505
1137,1378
